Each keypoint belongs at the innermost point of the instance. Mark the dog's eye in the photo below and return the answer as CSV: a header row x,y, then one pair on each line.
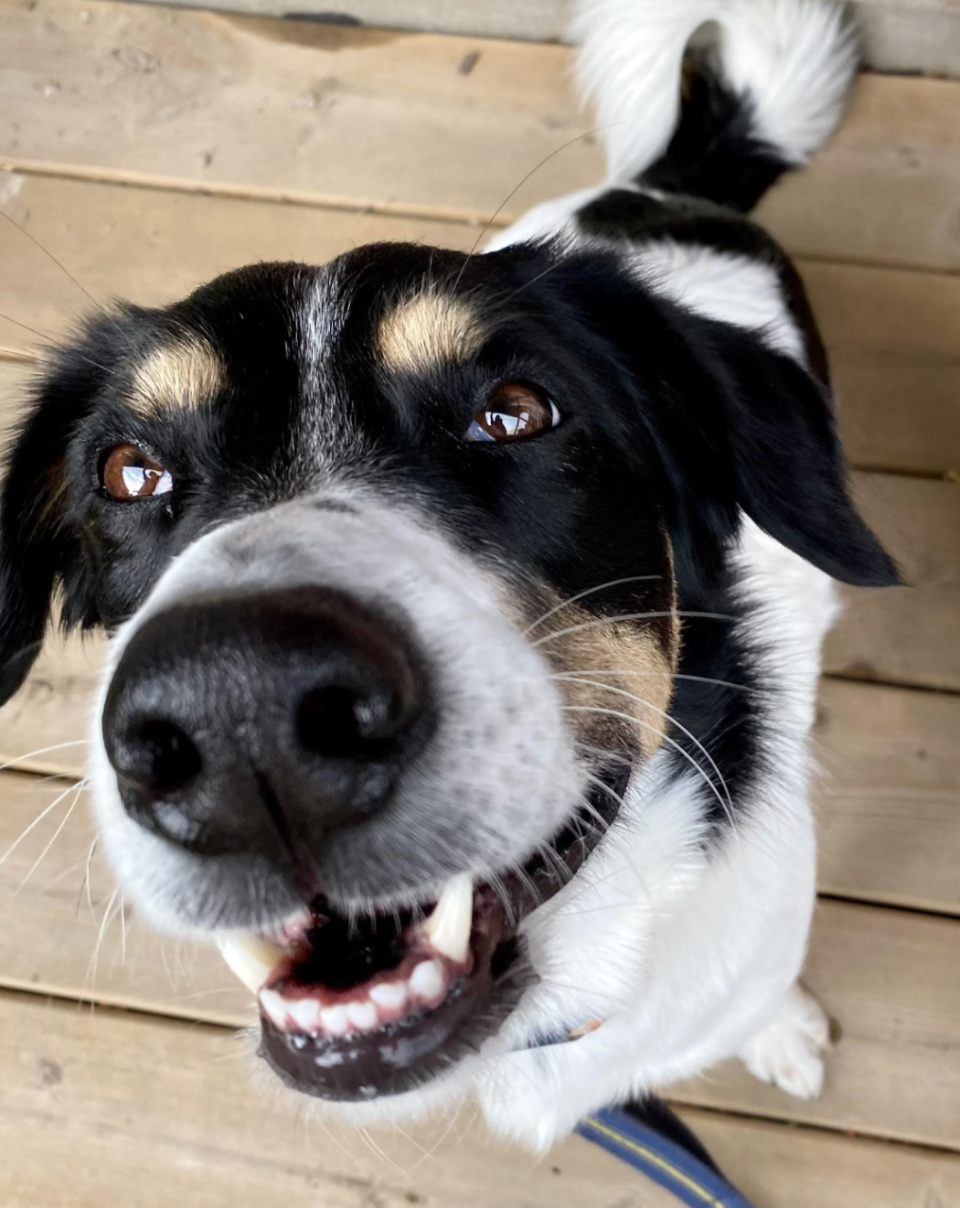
x,y
513,411
128,473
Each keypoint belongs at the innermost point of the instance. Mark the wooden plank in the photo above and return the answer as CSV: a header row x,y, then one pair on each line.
x,y
893,338
77,1130
797,1167
66,934
891,979
906,635
891,982
892,334
439,125
874,194
888,795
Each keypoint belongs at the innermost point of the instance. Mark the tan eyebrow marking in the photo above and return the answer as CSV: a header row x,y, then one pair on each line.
x,y
428,329
182,374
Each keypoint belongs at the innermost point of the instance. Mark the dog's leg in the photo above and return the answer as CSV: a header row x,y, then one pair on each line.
x,y
789,1051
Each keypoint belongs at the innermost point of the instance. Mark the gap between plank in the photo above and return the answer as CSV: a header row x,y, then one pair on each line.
x,y
297,197
902,685
807,1126
454,215
826,895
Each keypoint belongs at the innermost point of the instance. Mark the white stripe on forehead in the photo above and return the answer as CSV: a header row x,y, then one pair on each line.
x,y
321,320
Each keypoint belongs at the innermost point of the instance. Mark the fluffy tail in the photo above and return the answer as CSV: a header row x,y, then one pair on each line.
x,y
763,89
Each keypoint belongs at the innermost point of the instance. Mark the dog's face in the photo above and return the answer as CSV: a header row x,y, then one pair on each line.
x,y
393,550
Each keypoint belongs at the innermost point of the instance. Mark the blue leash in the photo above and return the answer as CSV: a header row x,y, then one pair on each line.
x,y
679,1167
649,1137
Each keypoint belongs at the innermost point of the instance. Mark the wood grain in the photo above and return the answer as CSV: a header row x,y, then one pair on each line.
x,y
888,795
77,1129
911,634
892,334
384,119
893,338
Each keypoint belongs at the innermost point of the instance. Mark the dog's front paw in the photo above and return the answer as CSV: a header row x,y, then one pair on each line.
x,y
789,1053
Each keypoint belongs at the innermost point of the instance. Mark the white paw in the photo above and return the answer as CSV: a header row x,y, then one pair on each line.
x,y
789,1053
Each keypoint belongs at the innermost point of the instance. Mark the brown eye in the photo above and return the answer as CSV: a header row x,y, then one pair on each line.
x,y
512,412
128,473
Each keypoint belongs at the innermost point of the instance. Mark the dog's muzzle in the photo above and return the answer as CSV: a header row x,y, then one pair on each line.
x,y
328,749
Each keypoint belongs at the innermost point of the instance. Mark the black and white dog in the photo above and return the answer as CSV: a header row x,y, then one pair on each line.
x,y
467,609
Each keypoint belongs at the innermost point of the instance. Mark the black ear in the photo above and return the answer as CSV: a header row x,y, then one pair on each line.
x,y
37,545
764,433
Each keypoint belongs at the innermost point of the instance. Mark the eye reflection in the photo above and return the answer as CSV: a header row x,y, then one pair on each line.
x,y
513,411
129,473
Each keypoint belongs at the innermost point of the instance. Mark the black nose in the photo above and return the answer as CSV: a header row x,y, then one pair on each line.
x,y
263,723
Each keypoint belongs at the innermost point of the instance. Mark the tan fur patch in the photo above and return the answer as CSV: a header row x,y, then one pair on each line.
x,y
183,374
428,329
616,677
617,666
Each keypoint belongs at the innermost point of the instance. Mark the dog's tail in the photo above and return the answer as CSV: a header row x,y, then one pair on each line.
x,y
760,89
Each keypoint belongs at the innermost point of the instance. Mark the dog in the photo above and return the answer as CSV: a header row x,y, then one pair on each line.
x,y
466,609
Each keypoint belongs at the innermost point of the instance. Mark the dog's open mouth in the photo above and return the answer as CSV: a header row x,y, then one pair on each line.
x,y
355,1008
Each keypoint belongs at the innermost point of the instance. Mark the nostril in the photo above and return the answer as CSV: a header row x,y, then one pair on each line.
x,y
338,722
162,756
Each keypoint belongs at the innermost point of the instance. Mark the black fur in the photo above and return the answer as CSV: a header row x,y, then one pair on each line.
x,y
671,423
714,152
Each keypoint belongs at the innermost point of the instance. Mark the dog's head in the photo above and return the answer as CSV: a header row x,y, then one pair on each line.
x,y
392,552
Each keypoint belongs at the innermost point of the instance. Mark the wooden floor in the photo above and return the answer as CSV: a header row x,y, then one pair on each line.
x,y
148,149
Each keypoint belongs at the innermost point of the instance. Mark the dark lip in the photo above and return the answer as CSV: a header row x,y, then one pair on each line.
x,y
418,1048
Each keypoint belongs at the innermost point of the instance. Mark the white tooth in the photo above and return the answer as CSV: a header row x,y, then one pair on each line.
x,y
389,995
426,981
305,1013
362,1015
448,927
334,1020
275,1006
251,958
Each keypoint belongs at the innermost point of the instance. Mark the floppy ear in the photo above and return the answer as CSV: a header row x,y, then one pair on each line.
x,y
761,433
36,545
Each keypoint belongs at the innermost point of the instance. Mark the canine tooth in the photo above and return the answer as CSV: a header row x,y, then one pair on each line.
x,y
275,1006
426,981
362,1015
448,927
334,1020
249,957
305,1013
389,995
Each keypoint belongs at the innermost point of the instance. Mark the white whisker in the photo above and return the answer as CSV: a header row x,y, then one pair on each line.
x,y
66,818
36,822
76,742
629,616
669,741
95,958
673,721
582,594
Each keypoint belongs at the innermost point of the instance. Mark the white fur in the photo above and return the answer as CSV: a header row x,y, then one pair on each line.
x,y
725,286
794,58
